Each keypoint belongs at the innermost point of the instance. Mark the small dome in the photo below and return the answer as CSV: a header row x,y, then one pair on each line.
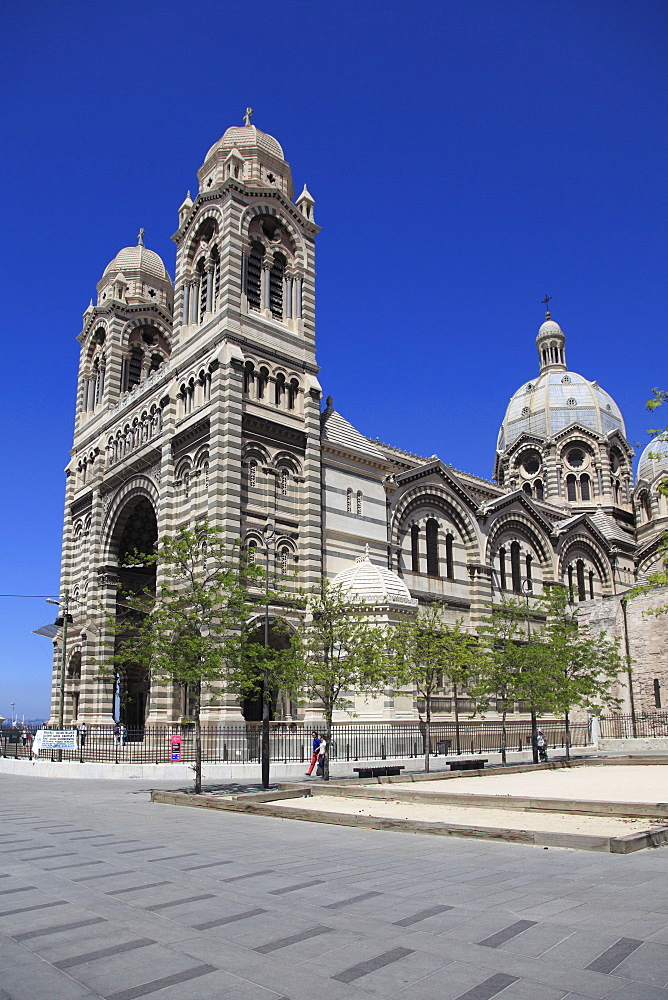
x,y
246,137
550,329
370,584
555,400
650,467
131,260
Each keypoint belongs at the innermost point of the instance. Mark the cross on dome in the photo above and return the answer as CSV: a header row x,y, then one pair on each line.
x,y
249,114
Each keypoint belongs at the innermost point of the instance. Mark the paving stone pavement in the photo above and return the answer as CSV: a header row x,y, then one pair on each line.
x,y
103,894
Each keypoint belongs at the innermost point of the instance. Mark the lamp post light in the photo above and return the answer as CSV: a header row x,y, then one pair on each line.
x,y
62,620
268,532
527,590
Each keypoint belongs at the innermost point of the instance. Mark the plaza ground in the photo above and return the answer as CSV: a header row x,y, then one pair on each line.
x,y
104,894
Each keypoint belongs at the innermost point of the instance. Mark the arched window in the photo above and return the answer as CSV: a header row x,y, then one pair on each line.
x,y
349,501
585,487
415,549
284,482
527,489
202,280
502,569
252,474
252,550
657,693
249,375
215,258
279,389
186,486
276,286
449,562
570,582
359,503
156,361
254,276
284,557
515,567
571,488
591,586
538,486
293,387
262,380
134,368
432,547
579,569
528,567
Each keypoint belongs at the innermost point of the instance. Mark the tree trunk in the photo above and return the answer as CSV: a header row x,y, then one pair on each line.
x,y
504,735
427,735
329,711
534,735
457,737
198,741
567,724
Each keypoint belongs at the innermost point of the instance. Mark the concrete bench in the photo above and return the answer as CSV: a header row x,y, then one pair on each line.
x,y
379,771
471,764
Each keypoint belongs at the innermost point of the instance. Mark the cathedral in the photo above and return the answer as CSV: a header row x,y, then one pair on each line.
x,y
200,397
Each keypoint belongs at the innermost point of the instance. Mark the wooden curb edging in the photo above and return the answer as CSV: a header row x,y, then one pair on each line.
x,y
261,804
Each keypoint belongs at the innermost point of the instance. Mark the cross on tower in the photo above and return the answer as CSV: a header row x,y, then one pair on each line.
x,y
546,302
140,238
249,114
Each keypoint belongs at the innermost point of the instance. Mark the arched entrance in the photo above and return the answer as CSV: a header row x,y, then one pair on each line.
x,y
138,534
279,702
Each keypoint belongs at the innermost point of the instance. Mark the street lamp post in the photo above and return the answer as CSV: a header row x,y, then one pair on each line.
x,y
268,532
527,590
65,615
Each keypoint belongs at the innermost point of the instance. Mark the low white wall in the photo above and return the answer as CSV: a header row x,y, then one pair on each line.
x,y
241,773
641,744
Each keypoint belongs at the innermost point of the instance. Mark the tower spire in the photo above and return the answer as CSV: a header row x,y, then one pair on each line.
x,y
546,302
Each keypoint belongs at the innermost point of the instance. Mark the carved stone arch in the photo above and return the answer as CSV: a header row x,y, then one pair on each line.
x,y
201,456
137,488
211,218
135,333
185,465
572,545
520,526
255,450
446,505
96,338
299,249
285,459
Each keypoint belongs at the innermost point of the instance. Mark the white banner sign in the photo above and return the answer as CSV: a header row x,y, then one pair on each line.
x,y
54,739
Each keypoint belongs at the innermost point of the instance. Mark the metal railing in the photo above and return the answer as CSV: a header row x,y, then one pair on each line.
x,y
291,742
624,727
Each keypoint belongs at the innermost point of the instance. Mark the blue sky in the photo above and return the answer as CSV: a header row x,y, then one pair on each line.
x,y
466,158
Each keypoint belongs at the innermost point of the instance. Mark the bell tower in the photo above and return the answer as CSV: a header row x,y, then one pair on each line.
x,y
244,348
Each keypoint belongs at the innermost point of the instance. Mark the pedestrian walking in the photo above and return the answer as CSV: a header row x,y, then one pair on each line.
x,y
117,733
314,752
83,730
24,736
541,743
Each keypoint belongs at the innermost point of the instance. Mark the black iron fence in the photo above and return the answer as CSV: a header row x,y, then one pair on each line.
x,y
291,742
624,727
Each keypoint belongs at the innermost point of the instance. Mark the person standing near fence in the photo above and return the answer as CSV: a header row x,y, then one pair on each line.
x,y
83,729
541,743
322,750
314,752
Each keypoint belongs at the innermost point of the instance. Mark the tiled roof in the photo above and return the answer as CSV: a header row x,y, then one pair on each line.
x,y
337,430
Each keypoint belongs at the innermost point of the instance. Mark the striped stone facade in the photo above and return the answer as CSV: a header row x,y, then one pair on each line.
x,y
201,397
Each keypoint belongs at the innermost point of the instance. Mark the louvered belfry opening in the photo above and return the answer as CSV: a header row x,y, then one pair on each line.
x,y
254,276
276,286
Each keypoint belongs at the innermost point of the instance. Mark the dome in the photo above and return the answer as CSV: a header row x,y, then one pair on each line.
x,y
370,584
553,401
246,137
649,466
135,259
550,329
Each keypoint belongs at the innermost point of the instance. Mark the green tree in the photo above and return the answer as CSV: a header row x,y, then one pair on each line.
x,y
192,628
503,672
660,577
582,667
338,650
429,651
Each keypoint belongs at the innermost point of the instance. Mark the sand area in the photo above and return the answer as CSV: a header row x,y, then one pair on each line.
x,y
610,783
